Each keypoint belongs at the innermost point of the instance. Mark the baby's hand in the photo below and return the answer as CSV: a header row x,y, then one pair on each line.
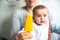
x,y
23,36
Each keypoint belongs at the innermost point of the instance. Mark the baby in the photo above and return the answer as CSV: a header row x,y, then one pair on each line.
x,y
41,23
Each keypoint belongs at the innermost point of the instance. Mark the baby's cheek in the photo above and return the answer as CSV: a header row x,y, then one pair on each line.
x,y
46,20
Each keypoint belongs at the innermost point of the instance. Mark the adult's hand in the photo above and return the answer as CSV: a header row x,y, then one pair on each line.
x,y
23,36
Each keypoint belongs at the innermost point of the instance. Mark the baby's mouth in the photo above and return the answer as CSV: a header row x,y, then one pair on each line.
x,y
42,21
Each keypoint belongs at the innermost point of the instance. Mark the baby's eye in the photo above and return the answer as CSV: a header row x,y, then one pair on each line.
x,y
44,15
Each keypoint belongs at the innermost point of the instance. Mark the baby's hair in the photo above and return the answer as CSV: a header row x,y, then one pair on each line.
x,y
38,7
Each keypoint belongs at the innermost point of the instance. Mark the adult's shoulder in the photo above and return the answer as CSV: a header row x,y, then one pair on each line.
x,y
20,11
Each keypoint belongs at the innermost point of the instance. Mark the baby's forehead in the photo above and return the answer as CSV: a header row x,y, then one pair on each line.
x,y
45,10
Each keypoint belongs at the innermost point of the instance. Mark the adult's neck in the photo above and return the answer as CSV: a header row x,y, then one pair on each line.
x,y
30,9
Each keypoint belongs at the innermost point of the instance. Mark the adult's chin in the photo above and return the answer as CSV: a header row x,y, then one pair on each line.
x,y
32,4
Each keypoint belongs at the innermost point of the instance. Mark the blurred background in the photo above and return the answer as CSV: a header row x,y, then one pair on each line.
x,y
7,7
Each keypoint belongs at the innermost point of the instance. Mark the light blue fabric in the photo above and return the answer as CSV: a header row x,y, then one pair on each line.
x,y
55,28
18,19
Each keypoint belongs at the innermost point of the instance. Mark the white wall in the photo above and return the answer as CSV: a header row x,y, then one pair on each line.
x,y
6,8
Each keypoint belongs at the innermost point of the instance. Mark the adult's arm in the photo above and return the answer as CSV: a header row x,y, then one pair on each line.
x,y
15,24
55,28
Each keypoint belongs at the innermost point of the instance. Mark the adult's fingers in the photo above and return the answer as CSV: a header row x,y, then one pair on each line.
x,y
26,35
17,37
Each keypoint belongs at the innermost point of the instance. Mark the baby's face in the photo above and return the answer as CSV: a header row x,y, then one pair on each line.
x,y
41,16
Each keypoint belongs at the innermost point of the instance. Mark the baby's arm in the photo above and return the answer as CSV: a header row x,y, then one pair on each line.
x,y
55,28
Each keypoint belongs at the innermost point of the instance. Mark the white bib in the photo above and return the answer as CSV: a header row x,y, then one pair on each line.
x,y
40,32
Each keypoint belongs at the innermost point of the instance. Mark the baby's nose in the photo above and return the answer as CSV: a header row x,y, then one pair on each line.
x,y
42,18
